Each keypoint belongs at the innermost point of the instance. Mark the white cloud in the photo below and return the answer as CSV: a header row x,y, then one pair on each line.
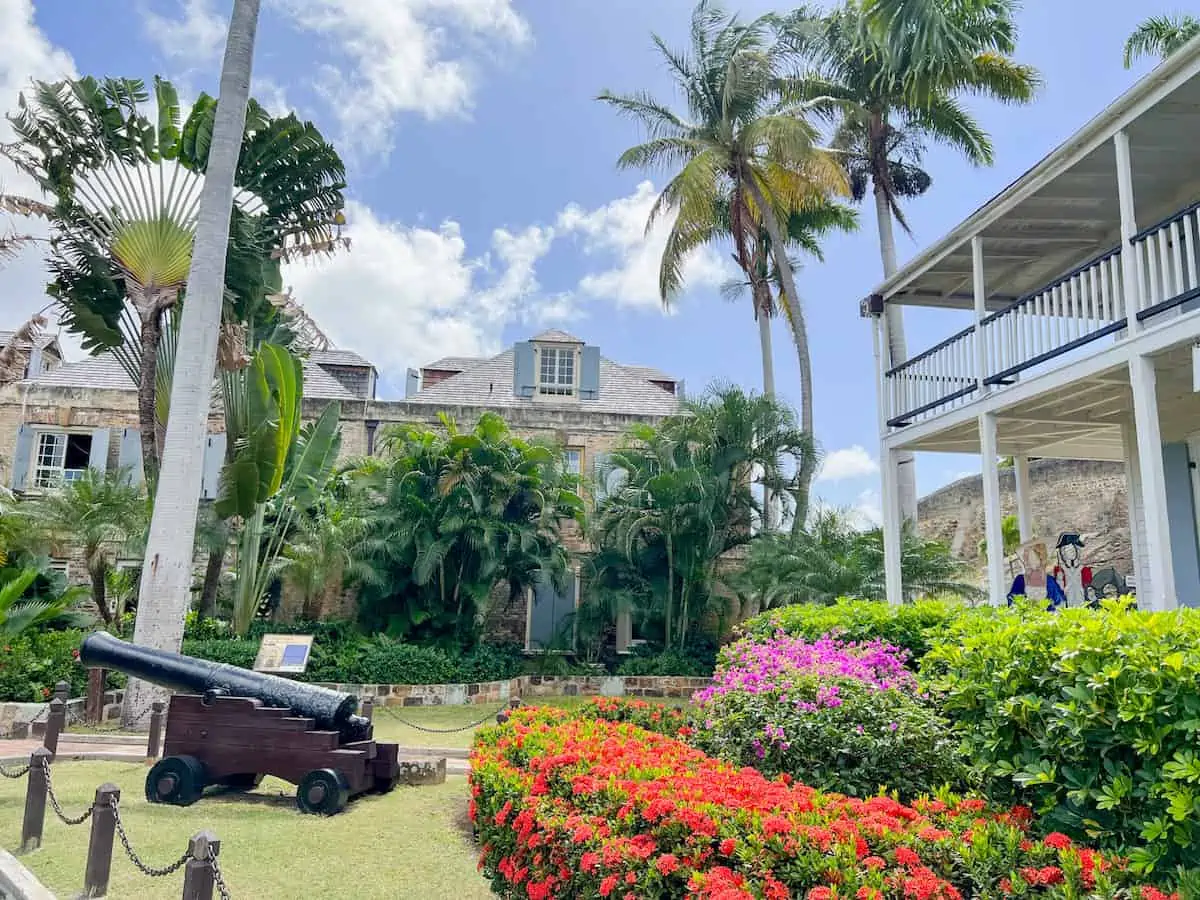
x,y
195,34
616,233
398,56
867,511
404,296
271,94
25,54
848,463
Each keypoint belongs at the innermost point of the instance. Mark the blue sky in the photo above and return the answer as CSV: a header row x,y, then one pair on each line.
x,y
485,199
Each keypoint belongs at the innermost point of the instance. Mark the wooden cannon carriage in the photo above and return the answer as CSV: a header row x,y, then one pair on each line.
x,y
230,727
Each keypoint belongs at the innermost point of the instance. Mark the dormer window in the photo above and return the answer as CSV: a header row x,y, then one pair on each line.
x,y
557,371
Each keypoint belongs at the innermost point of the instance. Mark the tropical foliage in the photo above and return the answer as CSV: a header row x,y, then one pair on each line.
x,y
100,513
678,497
1160,36
452,514
24,607
126,194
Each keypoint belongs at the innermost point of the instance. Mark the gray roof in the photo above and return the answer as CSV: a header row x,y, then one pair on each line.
x,y
650,373
106,373
455,363
43,341
489,382
335,357
554,336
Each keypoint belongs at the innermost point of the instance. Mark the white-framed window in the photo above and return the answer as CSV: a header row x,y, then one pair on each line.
x,y
61,566
60,457
557,371
573,460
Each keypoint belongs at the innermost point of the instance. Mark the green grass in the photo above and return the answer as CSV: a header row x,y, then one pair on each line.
x,y
411,843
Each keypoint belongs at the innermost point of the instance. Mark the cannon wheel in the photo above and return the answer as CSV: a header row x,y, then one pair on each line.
x,y
243,781
323,792
178,780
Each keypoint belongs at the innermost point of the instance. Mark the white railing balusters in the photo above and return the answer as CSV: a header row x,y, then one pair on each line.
x,y
1190,250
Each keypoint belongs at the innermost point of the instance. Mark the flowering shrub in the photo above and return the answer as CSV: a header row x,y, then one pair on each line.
x,y
1090,716
580,808
839,716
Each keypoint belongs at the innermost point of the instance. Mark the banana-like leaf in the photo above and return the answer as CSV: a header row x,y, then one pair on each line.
x,y
156,251
314,457
168,118
239,487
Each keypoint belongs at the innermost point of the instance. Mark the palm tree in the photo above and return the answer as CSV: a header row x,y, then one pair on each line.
x,y
1160,36
744,157
889,97
19,612
102,514
324,553
166,575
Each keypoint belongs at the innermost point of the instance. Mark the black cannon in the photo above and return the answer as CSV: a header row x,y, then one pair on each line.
x,y
231,726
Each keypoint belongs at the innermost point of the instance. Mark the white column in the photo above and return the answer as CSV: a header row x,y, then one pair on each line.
x,y
1137,510
1143,381
892,526
1131,270
883,406
1024,497
992,520
980,311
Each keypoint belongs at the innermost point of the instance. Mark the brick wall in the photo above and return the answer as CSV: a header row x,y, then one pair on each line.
x,y
1067,495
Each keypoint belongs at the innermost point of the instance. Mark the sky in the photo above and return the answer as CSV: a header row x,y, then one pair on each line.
x,y
485,204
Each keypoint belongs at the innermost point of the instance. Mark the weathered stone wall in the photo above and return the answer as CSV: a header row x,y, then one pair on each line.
x,y
528,688
1067,495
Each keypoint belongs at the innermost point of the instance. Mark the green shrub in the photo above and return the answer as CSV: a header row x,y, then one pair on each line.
x,y
670,662
233,651
1092,717
910,626
384,661
490,662
30,665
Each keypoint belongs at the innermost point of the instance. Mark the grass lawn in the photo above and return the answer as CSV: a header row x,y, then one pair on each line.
x,y
407,844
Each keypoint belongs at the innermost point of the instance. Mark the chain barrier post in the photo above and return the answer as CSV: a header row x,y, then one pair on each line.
x,y
62,691
200,871
154,743
55,723
368,708
35,800
100,844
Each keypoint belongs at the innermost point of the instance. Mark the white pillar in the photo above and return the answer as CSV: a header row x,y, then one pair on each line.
x,y
1143,381
992,520
1137,510
892,527
1024,497
1131,271
980,312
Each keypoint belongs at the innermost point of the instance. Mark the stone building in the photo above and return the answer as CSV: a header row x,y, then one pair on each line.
x,y
66,417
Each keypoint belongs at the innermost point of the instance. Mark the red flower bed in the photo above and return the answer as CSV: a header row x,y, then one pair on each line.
x,y
570,807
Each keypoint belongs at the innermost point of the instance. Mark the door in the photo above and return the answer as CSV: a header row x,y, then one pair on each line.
x,y
551,622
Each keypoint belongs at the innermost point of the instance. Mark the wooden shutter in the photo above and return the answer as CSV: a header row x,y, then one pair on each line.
x,y
214,460
129,456
22,456
98,458
524,374
589,374
599,476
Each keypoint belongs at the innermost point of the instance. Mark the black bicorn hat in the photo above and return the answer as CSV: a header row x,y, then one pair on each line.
x,y
1069,537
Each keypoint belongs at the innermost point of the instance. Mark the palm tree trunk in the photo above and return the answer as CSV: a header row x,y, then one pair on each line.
x,y
167,573
808,463
768,370
897,349
151,334
212,581
97,571
670,592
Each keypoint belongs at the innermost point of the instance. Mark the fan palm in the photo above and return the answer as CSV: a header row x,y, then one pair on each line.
x,y
1160,36
743,157
889,97
101,513
19,612
126,195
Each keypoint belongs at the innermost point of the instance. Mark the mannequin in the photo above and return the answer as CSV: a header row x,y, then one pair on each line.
x,y
1072,576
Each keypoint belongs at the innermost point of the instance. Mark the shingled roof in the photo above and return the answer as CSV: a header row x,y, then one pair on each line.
x,y
489,382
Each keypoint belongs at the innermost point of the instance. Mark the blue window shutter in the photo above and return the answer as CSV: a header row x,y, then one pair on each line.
x,y
524,376
129,457
22,456
589,374
412,382
214,459
98,458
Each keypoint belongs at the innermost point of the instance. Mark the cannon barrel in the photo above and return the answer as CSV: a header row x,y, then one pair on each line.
x,y
330,709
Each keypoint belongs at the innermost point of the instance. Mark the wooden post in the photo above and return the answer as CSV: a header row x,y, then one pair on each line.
x,y
154,744
100,844
198,871
93,710
55,723
368,708
35,800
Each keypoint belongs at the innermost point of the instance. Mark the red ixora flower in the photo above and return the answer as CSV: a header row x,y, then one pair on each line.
x,y
906,857
666,864
608,885
1057,840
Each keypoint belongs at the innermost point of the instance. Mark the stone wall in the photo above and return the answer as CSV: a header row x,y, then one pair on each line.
x,y
1067,495
527,688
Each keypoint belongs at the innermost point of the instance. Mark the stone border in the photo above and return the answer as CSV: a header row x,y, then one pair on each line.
x,y
22,720
17,882
527,687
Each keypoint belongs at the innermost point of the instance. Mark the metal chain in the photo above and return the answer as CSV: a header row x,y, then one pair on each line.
x,y
74,718
219,879
427,730
15,773
135,859
87,813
